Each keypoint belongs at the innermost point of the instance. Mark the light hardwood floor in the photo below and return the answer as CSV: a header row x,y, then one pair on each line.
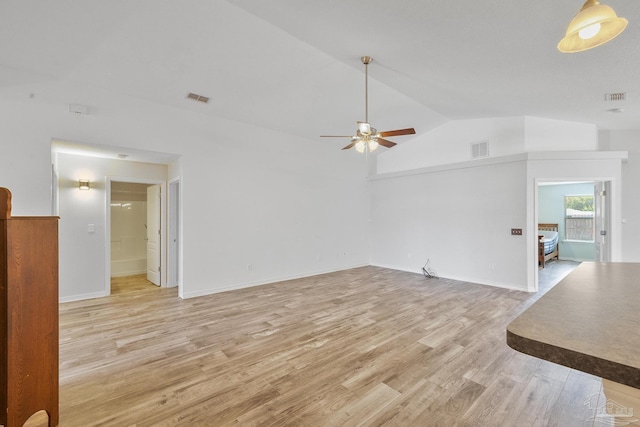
x,y
368,346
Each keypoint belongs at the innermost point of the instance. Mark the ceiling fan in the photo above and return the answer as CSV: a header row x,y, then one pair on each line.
x,y
367,136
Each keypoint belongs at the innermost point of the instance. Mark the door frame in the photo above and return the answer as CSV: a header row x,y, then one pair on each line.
x,y
602,218
174,228
163,226
613,211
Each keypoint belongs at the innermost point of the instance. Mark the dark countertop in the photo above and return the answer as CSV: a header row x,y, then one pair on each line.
x,y
590,321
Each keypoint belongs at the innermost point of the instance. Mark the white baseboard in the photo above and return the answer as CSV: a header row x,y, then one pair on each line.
x,y
237,286
461,279
82,297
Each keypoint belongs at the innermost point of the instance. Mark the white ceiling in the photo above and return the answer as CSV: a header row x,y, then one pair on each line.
x,y
294,65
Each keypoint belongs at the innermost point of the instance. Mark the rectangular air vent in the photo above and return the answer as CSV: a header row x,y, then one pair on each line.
x,y
620,96
480,149
198,98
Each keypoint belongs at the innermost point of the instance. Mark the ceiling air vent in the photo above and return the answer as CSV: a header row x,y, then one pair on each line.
x,y
198,98
619,96
480,149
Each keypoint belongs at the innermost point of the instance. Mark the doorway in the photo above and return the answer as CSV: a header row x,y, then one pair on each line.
x,y
581,211
135,224
128,236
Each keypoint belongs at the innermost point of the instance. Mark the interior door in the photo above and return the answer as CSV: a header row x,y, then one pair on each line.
x,y
602,222
153,234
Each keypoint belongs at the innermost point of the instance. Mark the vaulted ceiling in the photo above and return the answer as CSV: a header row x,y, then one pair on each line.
x,y
294,66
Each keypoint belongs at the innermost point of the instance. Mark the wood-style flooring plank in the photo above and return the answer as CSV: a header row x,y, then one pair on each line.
x,y
368,346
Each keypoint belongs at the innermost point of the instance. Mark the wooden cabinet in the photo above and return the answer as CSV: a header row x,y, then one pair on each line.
x,y
28,316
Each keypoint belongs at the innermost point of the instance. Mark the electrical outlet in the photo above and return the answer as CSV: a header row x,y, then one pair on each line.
x,y
516,231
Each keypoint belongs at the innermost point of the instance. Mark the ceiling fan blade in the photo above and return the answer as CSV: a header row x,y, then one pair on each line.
x,y
350,145
336,136
398,132
385,142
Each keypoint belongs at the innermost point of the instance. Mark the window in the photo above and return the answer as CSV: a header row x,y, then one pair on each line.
x,y
578,220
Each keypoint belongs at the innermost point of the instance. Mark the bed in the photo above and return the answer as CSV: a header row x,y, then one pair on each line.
x,y
547,243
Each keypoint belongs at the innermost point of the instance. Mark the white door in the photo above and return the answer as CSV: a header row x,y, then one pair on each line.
x,y
602,223
153,234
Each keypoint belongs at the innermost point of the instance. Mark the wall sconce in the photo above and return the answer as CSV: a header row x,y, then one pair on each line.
x,y
83,184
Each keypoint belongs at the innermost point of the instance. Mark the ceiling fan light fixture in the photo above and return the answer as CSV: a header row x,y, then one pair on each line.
x,y
373,144
360,146
593,26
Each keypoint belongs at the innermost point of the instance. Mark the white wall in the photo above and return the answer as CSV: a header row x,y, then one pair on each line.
x,y
629,140
451,142
82,253
285,206
271,208
424,229
557,135
25,162
460,218
259,206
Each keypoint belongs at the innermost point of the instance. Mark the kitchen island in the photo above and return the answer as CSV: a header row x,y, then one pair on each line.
x,y
590,321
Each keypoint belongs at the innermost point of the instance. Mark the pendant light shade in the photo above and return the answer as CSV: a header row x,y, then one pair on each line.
x,y
594,25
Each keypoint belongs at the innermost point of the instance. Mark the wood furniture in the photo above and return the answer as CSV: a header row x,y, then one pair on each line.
x,y
589,321
28,317
542,257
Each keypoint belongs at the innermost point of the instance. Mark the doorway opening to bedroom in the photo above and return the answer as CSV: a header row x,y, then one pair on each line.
x,y
572,228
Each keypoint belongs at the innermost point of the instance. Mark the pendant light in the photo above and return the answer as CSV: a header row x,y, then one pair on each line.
x,y
594,25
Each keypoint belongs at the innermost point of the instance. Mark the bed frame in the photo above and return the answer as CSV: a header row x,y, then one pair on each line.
x,y
542,258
